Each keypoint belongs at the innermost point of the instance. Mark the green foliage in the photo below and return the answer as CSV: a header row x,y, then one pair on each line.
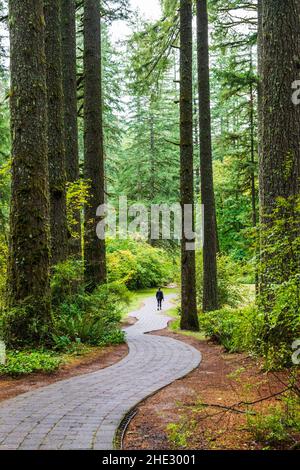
x,y
85,318
66,281
229,274
282,323
77,196
251,329
237,330
180,433
277,426
90,318
138,264
280,280
36,330
26,362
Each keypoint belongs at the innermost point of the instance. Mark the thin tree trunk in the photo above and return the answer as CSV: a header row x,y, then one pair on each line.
x,y
280,130
94,249
28,273
210,287
56,155
189,318
70,110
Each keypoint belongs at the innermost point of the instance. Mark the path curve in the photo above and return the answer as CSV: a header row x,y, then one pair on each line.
x,y
84,412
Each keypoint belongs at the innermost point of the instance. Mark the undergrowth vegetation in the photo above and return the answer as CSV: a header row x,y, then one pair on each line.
x,y
231,274
28,361
80,318
139,265
252,329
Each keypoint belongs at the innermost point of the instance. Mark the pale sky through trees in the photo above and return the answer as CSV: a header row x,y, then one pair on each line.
x,y
149,10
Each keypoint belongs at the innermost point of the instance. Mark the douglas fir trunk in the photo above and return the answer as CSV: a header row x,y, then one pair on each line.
x,y
56,156
189,319
210,288
28,273
94,248
280,149
68,25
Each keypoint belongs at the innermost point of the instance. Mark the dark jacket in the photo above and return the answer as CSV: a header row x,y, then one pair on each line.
x,y
159,295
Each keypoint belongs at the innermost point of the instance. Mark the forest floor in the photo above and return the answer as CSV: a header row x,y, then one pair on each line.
x,y
176,417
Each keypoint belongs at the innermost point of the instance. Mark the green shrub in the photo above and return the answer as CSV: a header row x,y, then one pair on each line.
x,y
36,330
87,318
180,433
229,274
67,280
26,362
138,264
282,323
277,425
237,330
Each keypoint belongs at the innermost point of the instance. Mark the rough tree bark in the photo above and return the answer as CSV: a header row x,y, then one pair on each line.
x,y
28,272
189,318
279,130
56,156
69,70
210,286
94,249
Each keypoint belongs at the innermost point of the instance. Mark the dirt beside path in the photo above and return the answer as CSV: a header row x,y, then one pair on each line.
x,y
222,379
98,359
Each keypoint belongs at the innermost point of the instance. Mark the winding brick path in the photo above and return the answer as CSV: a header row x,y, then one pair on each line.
x,y
84,412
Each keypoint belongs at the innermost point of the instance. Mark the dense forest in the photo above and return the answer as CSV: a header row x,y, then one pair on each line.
x,y
198,108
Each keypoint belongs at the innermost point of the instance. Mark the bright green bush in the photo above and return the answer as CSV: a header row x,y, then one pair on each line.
x,y
27,362
229,274
237,330
138,264
269,334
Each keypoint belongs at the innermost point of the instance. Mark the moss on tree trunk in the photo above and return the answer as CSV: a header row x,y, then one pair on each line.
x,y
189,319
94,248
210,287
279,129
56,155
68,25
28,273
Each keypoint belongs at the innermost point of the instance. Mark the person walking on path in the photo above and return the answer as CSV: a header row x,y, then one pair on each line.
x,y
159,298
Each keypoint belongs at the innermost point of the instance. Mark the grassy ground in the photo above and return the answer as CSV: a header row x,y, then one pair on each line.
x,y
175,326
138,297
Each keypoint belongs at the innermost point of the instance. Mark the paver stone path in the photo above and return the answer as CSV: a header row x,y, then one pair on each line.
x,y
84,412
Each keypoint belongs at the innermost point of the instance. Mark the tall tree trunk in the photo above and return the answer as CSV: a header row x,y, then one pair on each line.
x,y
189,318
56,155
280,130
69,70
210,287
259,129
28,273
252,145
94,249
